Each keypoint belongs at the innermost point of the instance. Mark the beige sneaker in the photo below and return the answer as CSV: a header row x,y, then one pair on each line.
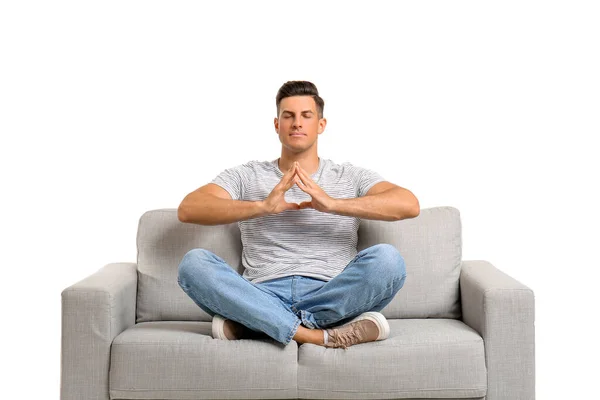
x,y
226,329
367,327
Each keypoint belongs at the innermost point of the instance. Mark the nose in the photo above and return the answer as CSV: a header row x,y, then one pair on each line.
x,y
297,122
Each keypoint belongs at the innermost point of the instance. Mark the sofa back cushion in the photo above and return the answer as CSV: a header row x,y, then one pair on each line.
x,y
429,243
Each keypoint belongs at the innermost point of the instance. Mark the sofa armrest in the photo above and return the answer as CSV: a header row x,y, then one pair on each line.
x,y
94,311
501,309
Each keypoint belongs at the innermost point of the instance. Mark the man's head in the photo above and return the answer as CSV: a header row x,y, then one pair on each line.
x,y
299,88
299,119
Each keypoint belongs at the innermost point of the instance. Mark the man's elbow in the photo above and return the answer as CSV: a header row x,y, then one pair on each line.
x,y
416,208
411,212
181,214
416,211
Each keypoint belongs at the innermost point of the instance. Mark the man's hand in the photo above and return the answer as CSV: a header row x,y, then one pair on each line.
x,y
320,200
275,202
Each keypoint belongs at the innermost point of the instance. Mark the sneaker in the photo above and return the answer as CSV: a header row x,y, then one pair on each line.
x,y
226,329
367,327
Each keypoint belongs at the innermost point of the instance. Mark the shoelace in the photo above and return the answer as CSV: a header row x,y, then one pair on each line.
x,y
346,337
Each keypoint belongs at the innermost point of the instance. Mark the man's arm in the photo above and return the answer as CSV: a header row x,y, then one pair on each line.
x,y
213,205
384,201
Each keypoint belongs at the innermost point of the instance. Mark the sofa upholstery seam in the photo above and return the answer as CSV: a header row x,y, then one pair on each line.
x,y
295,387
394,391
198,390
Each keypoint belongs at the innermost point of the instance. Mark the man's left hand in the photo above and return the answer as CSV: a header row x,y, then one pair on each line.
x,y
320,200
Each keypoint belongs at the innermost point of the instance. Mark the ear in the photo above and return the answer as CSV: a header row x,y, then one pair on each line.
x,y
322,124
276,123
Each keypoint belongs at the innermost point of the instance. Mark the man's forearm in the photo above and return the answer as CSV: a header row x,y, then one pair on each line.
x,y
391,205
212,210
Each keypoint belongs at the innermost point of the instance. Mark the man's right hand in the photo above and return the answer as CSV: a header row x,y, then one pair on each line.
x,y
275,202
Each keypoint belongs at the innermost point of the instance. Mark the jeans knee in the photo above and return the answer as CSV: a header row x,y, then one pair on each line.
x,y
391,261
190,264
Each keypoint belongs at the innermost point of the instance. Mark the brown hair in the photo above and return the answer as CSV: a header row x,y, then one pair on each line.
x,y
300,88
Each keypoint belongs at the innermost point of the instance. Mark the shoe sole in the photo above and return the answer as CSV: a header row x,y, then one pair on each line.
x,y
379,320
218,323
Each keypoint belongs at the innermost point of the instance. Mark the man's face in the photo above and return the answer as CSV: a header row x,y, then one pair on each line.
x,y
298,123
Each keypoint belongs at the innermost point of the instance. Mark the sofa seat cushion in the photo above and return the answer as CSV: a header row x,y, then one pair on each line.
x,y
181,360
421,358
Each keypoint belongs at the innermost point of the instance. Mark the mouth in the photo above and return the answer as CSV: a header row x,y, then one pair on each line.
x,y
297,134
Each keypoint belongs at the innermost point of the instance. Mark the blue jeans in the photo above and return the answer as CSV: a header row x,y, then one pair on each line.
x,y
278,306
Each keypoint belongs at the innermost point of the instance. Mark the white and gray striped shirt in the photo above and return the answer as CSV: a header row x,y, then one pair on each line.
x,y
297,242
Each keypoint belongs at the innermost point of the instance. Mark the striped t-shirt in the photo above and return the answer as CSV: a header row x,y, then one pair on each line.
x,y
303,242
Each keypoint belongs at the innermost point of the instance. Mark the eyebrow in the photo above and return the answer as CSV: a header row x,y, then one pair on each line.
x,y
290,112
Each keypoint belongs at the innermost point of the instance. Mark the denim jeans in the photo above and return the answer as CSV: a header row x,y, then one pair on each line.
x,y
278,306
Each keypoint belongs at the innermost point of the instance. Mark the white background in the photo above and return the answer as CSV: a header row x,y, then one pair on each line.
x,y
110,109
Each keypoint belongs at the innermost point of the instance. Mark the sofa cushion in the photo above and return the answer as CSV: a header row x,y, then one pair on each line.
x,y
429,243
162,241
422,358
431,246
180,360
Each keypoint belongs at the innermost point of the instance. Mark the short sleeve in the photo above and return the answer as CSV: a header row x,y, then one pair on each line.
x,y
232,180
364,179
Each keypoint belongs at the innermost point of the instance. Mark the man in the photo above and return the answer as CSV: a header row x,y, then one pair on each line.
x,y
298,217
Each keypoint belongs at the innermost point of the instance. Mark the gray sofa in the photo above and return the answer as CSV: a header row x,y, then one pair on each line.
x,y
459,329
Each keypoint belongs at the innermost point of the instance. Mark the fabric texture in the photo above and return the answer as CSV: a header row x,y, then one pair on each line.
x,y
303,242
94,311
430,245
421,358
180,360
502,311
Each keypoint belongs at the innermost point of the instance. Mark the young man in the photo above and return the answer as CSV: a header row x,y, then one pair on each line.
x,y
298,216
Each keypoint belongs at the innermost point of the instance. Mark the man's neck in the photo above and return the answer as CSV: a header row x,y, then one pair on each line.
x,y
308,163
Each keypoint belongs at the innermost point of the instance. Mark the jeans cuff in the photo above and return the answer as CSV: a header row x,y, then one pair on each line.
x,y
306,322
292,332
